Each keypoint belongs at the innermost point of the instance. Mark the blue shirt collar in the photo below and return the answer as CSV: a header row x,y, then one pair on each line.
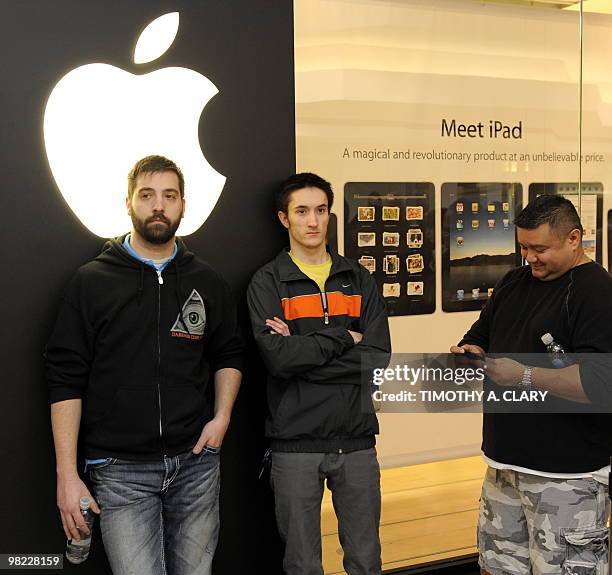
x,y
158,266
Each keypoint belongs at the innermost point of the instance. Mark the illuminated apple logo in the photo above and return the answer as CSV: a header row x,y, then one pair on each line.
x,y
100,120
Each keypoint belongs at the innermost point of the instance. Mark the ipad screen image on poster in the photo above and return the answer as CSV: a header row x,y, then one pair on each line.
x,y
478,241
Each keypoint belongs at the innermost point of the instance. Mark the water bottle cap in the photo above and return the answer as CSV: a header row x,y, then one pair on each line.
x,y
85,502
547,339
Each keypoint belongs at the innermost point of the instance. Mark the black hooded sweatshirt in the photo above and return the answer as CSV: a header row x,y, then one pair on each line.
x,y
140,348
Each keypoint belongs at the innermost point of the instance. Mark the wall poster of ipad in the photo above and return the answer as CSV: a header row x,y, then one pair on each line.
x,y
389,228
478,240
588,204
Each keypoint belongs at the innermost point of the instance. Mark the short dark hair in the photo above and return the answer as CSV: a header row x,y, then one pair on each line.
x,y
298,182
153,165
556,211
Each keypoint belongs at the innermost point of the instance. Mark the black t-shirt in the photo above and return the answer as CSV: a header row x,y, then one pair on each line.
x,y
576,309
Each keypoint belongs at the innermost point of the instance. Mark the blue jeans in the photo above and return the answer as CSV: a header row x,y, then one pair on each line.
x,y
159,517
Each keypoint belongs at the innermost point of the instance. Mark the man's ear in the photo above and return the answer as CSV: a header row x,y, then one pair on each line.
x,y
128,205
575,237
282,216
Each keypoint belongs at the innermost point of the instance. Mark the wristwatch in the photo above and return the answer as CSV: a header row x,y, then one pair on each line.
x,y
527,380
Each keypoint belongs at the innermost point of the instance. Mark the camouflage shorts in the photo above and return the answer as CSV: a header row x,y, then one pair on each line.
x,y
535,525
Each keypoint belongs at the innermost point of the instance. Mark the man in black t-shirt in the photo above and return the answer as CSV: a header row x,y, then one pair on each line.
x,y
544,506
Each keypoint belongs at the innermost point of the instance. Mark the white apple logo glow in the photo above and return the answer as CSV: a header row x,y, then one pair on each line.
x,y
100,120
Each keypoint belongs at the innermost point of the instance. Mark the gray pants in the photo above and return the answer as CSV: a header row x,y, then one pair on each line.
x,y
354,480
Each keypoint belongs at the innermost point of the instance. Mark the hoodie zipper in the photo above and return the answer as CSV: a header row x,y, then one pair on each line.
x,y
324,304
325,308
324,300
340,420
160,282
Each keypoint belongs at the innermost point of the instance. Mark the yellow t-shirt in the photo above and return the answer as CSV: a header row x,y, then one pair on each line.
x,y
317,272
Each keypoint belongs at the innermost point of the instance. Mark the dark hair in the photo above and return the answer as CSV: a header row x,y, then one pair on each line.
x,y
556,211
298,182
153,165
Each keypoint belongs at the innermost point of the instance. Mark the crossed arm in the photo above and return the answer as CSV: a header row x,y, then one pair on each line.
x,y
279,327
330,355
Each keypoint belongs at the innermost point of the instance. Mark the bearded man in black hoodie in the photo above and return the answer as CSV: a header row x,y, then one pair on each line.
x,y
141,330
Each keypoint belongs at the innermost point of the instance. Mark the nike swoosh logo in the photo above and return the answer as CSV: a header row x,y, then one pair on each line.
x,y
347,285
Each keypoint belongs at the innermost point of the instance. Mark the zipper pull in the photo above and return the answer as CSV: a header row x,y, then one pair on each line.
x,y
325,308
160,279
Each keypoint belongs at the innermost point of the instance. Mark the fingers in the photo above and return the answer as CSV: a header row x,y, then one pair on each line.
x,y
278,326
197,449
69,493
467,355
69,526
216,436
212,434
205,438
213,440
474,349
357,337
94,505
469,348
211,443
65,526
80,523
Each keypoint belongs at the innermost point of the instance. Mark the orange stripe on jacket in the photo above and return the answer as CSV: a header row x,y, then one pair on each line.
x,y
341,304
302,306
312,305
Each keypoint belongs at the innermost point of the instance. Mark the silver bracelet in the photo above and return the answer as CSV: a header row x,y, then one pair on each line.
x,y
526,382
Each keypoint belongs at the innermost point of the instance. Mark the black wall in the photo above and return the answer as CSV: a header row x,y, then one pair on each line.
x,y
245,47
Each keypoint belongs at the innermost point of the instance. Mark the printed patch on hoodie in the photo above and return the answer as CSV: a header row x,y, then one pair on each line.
x,y
191,321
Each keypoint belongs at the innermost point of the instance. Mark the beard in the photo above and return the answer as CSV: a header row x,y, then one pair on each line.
x,y
157,229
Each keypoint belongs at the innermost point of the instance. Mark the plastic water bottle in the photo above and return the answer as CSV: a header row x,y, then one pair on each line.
x,y
78,551
556,351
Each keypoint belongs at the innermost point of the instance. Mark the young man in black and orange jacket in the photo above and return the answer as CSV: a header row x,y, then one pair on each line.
x,y
314,315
